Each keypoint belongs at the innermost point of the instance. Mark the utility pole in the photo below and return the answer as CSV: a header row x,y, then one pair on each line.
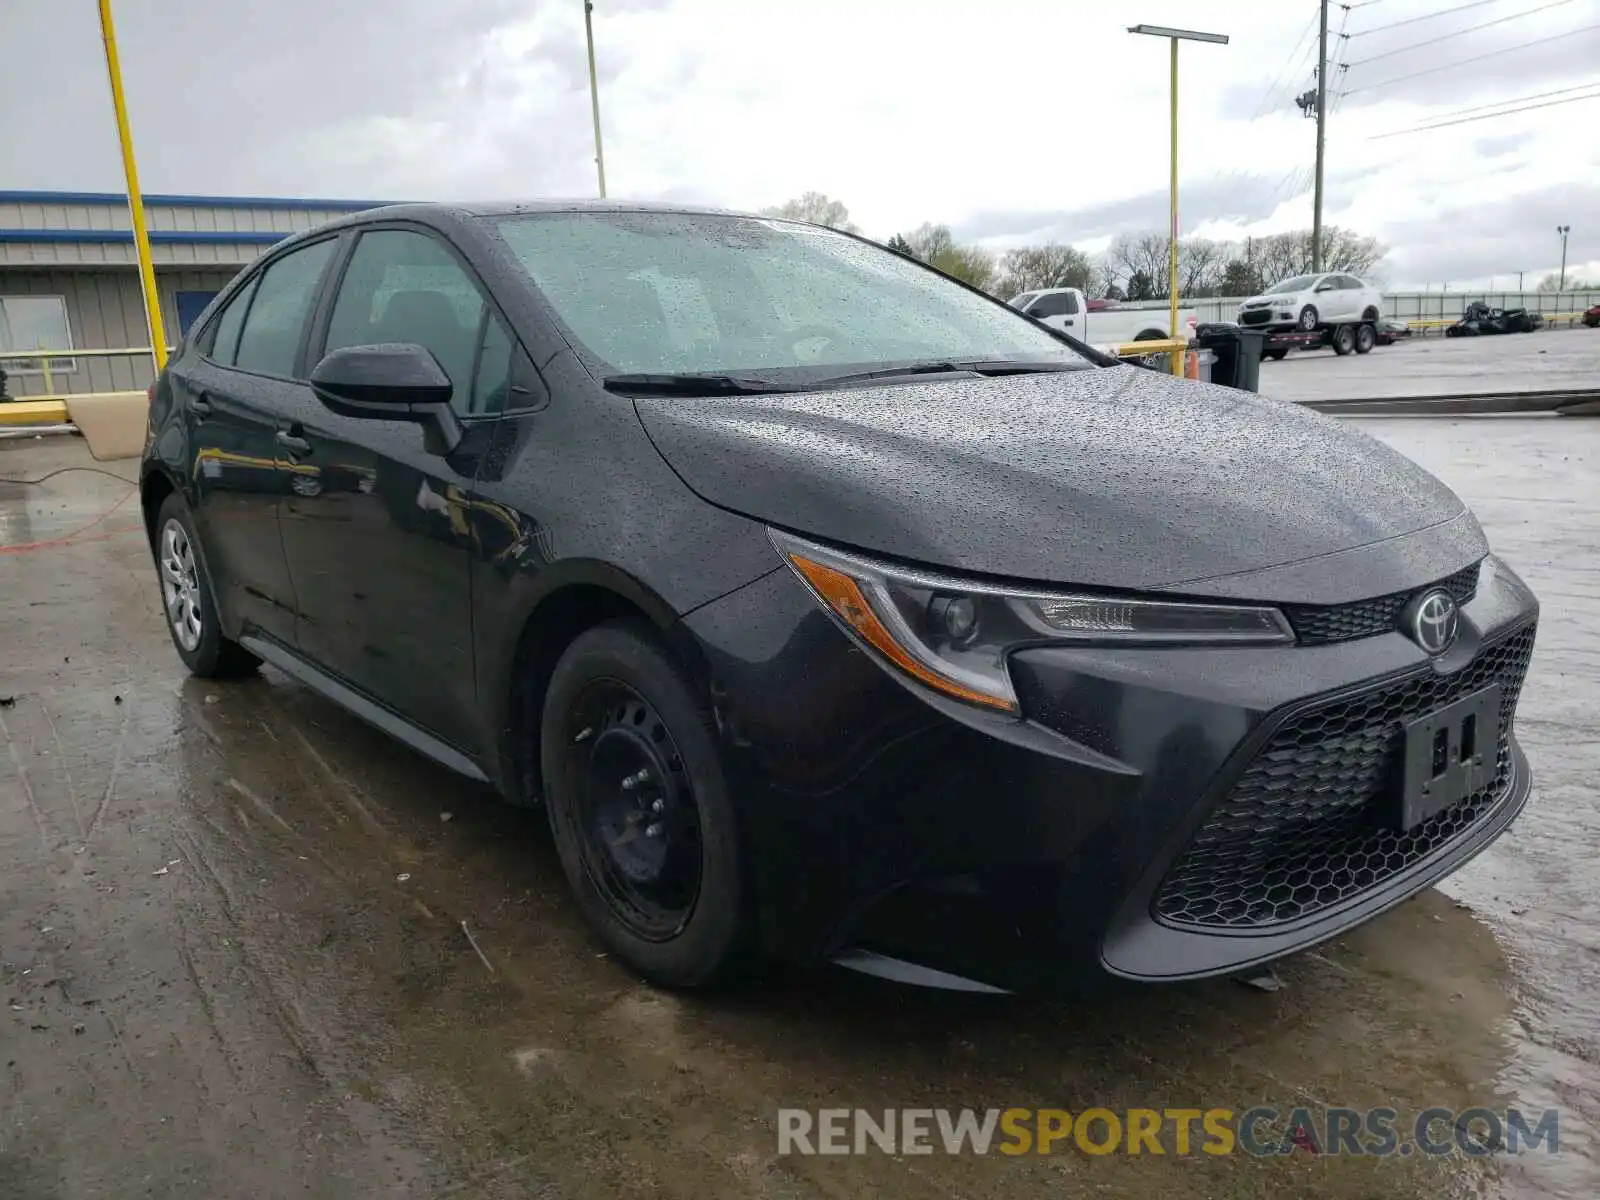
x,y
594,94
1322,120
1563,230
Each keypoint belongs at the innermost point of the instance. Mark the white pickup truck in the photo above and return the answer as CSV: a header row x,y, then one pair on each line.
x,y
1104,327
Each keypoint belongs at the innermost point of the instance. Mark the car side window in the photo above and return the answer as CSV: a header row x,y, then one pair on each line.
x,y
403,286
1061,304
224,333
270,340
491,383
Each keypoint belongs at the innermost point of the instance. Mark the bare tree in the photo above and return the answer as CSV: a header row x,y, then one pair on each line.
x,y
1029,268
1142,254
928,240
816,208
1201,263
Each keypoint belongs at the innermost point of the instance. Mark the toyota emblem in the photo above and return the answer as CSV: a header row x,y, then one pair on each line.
x,y
1432,620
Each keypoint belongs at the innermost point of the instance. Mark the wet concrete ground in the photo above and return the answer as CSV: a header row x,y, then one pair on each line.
x,y
1435,365
233,963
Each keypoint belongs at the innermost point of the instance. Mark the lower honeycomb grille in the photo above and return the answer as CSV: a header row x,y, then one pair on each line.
x,y
1299,830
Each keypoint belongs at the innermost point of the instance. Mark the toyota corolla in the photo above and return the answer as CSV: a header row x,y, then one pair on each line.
x,y
834,610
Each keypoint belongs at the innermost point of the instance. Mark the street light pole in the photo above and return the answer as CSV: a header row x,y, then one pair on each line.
x,y
1175,36
1563,230
141,234
594,95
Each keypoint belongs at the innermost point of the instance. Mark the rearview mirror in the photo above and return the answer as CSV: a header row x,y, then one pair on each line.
x,y
391,382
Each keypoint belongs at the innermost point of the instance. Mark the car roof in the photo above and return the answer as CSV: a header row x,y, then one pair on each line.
x,y
511,208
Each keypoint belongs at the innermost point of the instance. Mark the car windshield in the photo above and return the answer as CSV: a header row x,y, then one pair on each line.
x,y
680,293
1298,284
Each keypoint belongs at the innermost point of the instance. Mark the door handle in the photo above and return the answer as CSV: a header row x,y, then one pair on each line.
x,y
294,445
201,406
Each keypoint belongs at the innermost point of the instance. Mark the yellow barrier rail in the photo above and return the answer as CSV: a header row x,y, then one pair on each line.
x,y
33,412
1154,346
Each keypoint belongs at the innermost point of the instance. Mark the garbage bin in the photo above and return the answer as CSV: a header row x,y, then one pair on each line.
x,y
1238,354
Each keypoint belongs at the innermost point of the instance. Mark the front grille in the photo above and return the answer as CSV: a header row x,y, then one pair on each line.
x,y
1317,624
1258,316
1299,831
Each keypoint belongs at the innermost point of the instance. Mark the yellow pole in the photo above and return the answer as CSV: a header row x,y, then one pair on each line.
x,y
594,95
1172,190
141,235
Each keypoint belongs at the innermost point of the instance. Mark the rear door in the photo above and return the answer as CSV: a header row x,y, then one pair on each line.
x,y
378,550
237,382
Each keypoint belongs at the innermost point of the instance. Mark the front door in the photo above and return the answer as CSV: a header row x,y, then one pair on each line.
x,y
378,545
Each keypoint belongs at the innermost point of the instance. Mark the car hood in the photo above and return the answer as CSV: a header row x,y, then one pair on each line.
x,y
1117,477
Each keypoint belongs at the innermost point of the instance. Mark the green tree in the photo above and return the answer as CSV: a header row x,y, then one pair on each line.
x,y
970,264
1140,287
816,208
1240,278
899,245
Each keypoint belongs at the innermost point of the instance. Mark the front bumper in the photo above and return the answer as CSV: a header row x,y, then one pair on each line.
x,y
1027,854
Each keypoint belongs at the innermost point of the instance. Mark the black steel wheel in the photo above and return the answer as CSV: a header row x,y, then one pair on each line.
x,y
1344,340
1365,339
638,826
639,807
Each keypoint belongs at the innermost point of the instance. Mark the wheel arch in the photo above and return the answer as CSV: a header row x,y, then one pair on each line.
x,y
576,596
155,485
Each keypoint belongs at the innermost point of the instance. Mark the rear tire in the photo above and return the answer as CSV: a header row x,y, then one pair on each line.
x,y
186,595
1365,339
1308,319
656,862
1344,340
1275,355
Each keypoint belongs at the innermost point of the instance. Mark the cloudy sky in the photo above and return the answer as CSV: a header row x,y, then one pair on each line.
x,y
1012,120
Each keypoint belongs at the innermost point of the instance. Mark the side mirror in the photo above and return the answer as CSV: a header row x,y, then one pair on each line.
x,y
391,382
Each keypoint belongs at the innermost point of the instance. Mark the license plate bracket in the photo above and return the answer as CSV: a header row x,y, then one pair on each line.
x,y
1448,754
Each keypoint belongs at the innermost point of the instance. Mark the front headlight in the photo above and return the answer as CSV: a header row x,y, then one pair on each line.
x,y
954,635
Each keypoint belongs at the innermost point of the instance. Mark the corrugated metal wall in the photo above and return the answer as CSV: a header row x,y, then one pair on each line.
x,y
104,310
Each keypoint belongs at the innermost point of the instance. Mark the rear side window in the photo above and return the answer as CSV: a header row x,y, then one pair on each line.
x,y
225,329
402,286
284,296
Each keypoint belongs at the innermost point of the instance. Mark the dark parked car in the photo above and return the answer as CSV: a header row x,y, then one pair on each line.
x,y
1591,316
1391,330
1480,319
833,609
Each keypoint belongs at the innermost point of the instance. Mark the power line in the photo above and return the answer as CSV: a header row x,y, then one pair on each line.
x,y
1484,116
1279,79
1444,37
1577,87
1443,12
1468,61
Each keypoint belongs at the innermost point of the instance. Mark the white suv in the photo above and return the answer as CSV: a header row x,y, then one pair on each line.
x,y
1308,302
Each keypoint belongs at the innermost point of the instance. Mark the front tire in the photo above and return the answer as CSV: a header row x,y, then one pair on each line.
x,y
640,808
186,599
1277,355
1308,319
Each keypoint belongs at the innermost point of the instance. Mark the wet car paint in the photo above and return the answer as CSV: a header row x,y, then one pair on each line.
x,y
410,610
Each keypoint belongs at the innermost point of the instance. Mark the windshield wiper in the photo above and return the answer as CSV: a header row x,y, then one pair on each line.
x,y
647,384
977,366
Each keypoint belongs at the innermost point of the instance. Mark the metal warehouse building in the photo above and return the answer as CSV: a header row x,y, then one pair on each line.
x,y
69,279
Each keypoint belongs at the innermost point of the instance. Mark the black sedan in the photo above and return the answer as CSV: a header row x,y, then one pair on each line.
x,y
832,609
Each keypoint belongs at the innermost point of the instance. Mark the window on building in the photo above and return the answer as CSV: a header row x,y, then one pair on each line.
x,y
270,342
35,323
